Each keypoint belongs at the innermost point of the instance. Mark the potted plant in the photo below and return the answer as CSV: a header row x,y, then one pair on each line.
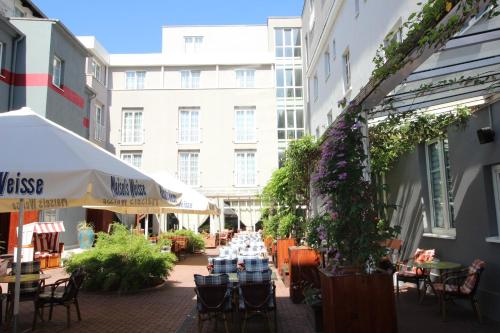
x,y
312,297
349,230
86,234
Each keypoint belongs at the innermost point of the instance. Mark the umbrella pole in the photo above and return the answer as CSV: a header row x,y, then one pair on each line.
x,y
17,287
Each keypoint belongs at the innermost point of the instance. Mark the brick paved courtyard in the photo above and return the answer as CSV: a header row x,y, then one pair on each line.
x,y
170,308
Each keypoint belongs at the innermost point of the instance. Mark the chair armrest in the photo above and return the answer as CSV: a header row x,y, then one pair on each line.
x,y
461,272
455,279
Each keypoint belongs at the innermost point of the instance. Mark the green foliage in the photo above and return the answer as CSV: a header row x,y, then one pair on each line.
x,y
401,132
195,241
84,225
122,262
423,29
287,193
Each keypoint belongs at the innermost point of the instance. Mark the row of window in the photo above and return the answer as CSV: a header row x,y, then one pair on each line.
x,y
189,166
190,79
189,125
327,61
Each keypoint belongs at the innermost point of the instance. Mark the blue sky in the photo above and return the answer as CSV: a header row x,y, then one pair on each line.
x,y
128,26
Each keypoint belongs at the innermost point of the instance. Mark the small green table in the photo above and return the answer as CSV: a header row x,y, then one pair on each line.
x,y
233,277
24,278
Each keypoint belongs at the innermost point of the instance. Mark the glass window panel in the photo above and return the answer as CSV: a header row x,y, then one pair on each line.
x,y
288,37
298,77
296,35
280,92
298,92
288,52
290,118
279,52
141,76
281,134
449,184
300,118
289,77
297,52
300,133
290,135
278,33
280,77
281,118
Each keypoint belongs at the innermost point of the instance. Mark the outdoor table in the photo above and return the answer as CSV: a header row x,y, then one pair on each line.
x,y
437,265
233,277
11,279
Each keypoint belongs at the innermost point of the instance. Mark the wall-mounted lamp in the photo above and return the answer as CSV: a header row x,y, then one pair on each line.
x,y
485,135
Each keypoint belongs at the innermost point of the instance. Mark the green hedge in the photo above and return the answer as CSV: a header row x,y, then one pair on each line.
x,y
122,262
196,242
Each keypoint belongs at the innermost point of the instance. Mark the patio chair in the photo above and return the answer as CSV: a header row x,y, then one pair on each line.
x,y
257,295
223,238
62,292
406,272
256,265
213,298
218,266
460,284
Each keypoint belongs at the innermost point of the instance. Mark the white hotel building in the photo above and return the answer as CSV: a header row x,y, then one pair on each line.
x,y
214,113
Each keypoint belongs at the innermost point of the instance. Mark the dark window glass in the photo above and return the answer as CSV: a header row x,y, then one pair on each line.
x,y
278,37
300,118
281,118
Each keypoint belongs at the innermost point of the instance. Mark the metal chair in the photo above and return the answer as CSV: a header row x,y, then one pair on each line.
x,y
65,297
406,272
213,298
258,298
460,284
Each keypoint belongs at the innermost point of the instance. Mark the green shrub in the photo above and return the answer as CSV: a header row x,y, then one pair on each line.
x,y
122,261
196,242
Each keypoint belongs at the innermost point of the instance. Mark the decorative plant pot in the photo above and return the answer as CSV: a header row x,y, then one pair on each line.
x,y
282,254
86,238
358,303
303,269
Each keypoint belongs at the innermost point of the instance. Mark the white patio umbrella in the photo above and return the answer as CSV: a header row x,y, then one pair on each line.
x,y
45,166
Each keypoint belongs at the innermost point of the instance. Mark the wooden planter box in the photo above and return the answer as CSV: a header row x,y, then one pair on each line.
x,y
282,253
315,317
358,303
303,268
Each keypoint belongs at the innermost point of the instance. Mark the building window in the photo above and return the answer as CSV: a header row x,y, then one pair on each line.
x,y
329,118
334,50
132,128
132,157
245,78
99,125
97,71
189,124
356,8
440,187
244,124
135,79
19,12
315,87
189,167
192,44
190,79
48,215
290,122
394,37
496,188
317,132
347,70
289,82
57,72
287,42
327,64
245,168
281,157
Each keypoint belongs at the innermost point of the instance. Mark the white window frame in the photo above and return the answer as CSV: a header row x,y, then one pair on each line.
x,y
134,157
193,133
495,176
328,66
99,123
57,72
97,71
245,78
190,79
187,179
136,138
346,65
246,182
135,84
447,230
192,44
248,132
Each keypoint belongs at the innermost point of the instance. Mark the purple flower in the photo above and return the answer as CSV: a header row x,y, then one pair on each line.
x,y
334,215
343,176
341,164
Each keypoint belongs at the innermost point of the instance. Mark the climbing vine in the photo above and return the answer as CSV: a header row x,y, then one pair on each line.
x,y
401,132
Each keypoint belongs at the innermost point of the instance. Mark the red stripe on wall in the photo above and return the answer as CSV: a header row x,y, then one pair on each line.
x,y
41,80
86,122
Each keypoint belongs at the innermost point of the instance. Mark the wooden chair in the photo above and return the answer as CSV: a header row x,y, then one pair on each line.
x,y
258,298
65,297
406,272
213,298
460,284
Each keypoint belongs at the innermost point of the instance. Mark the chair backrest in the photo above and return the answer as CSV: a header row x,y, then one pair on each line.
x,y
256,265
74,284
27,267
249,277
257,296
472,281
225,266
212,291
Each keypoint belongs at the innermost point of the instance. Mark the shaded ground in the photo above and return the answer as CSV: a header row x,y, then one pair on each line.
x,y
170,308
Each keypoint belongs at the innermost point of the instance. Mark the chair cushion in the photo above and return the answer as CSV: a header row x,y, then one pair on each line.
x,y
471,280
225,265
245,276
211,280
256,265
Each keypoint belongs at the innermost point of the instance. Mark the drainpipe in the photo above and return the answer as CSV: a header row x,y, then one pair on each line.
x,y
13,71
